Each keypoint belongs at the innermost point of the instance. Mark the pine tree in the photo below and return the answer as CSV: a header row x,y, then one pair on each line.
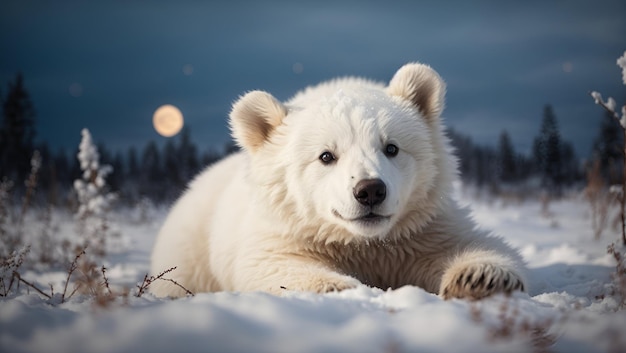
x,y
133,164
507,166
547,152
46,174
151,173
59,174
476,163
130,179
462,148
117,177
607,150
188,152
62,167
17,132
172,161
209,157
484,163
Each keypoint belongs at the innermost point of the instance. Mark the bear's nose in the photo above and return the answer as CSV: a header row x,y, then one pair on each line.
x,y
370,192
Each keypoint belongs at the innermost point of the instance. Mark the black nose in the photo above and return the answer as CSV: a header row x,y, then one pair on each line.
x,y
370,192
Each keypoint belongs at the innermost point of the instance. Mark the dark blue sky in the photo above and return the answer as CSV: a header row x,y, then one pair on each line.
x,y
107,65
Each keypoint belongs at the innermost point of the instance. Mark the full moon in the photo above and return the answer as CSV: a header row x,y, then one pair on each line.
x,y
167,120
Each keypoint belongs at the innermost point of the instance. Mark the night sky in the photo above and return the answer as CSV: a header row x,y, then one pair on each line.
x,y
108,65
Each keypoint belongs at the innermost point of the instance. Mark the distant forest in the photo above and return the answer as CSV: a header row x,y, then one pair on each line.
x,y
160,174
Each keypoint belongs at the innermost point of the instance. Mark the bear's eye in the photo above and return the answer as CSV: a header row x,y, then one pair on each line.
x,y
391,150
327,157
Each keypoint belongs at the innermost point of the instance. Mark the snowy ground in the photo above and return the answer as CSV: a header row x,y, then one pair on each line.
x,y
568,309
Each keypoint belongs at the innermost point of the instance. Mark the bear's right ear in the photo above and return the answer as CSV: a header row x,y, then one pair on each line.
x,y
253,118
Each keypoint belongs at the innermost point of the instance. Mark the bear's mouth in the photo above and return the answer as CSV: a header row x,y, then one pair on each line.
x,y
368,219
370,216
371,219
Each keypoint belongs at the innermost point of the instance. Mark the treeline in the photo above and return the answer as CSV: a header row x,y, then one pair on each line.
x,y
552,166
161,173
156,173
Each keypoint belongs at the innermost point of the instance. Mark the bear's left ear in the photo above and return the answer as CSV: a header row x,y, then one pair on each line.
x,y
253,118
422,86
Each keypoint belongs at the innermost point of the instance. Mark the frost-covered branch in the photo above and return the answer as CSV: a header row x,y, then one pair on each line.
x,y
609,105
621,62
147,281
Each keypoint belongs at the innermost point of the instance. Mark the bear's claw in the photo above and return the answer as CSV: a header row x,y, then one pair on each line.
x,y
479,281
330,282
334,284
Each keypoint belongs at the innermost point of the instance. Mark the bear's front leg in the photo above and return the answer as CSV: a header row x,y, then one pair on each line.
x,y
475,274
277,274
322,282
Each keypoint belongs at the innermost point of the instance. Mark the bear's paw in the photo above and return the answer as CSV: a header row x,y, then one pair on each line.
x,y
478,281
324,284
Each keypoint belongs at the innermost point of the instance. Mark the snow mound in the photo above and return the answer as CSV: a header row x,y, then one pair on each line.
x,y
569,308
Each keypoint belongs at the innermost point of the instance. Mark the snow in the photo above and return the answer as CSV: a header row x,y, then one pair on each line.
x,y
597,97
569,307
621,62
610,103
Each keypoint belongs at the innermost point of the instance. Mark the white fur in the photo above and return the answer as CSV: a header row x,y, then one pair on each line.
x,y
274,217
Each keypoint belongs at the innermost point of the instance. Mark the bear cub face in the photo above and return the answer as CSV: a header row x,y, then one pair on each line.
x,y
358,156
364,154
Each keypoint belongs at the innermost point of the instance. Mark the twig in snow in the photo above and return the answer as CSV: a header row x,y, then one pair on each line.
x,y
31,285
106,280
147,281
73,267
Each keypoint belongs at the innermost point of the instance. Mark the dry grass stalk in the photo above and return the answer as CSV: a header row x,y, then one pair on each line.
x,y
599,198
70,271
106,280
619,276
9,270
147,281
33,286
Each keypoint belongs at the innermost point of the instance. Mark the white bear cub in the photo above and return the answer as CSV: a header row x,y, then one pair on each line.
x,y
347,183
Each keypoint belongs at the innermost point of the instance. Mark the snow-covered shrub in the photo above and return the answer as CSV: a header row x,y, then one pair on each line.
x,y
618,287
94,199
8,269
609,105
13,232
